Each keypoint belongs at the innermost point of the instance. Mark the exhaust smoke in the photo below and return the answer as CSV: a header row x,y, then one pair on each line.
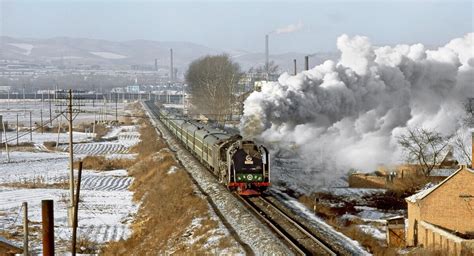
x,y
349,113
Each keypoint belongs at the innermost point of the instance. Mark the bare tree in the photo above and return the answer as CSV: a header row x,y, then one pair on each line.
x,y
212,81
463,146
424,147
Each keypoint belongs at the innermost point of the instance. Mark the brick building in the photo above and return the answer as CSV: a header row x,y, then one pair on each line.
x,y
442,217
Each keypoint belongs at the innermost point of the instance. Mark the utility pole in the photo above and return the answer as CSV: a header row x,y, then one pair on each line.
x,y
41,124
6,140
71,157
116,113
50,115
17,128
25,228
31,129
76,209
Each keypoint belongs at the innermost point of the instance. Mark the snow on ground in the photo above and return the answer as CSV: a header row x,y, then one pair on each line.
x,y
119,140
109,55
250,230
92,110
38,137
106,210
26,47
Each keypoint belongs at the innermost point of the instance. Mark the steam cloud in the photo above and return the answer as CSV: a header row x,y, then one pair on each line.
x,y
290,28
351,111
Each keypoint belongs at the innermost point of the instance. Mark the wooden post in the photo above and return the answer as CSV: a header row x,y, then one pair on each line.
x,y
25,228
31,129
71,159
50,115
41,124
76,209
6,140
17,129
59,131
47,213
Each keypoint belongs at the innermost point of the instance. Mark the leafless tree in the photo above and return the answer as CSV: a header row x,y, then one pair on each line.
x,y
424,147
463,146
212,81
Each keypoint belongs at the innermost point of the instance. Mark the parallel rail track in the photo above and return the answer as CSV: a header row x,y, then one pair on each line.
x,y
299,238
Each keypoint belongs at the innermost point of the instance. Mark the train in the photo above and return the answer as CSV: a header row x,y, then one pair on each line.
x,y
241,165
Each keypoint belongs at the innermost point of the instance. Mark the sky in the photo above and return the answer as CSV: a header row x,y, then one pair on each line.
x,y
241,25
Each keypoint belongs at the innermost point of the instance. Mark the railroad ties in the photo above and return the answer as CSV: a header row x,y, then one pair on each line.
x,y
300,239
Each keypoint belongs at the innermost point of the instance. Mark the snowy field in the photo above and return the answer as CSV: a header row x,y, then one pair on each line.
x,y
9,109
106,207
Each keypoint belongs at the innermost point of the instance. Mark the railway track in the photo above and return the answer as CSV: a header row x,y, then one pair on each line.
x,y
300,239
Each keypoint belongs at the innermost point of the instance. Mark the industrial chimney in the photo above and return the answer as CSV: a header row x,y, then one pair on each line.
x,y
294,64
266,54
306,62
156,64
171,66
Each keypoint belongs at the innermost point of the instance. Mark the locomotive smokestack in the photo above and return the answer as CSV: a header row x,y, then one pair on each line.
x,y
171,66
266,54
306,62
294,64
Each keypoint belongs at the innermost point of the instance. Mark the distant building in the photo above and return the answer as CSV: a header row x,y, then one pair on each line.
x,y
442,217
133,89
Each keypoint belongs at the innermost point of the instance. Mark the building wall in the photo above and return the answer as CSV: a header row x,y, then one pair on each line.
x,y
437,239
451,206
413,217
366,181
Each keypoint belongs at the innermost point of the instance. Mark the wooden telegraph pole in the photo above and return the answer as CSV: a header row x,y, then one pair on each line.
x,y
71,159
76,208
31,130
17,129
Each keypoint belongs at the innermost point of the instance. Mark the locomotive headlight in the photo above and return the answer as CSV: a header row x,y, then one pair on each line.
x,y
249,177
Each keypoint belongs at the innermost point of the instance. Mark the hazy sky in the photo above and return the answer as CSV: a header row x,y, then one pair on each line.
x,y
241,24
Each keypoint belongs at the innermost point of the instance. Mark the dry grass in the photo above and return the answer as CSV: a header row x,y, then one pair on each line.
x,y
168,203
331,216
101,163
37,182
408,186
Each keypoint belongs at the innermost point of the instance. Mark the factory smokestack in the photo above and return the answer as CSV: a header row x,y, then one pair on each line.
x,y
156,64
294,64
171,66
306,62
266,54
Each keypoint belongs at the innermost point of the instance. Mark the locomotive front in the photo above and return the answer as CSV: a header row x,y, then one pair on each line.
x,y
248,167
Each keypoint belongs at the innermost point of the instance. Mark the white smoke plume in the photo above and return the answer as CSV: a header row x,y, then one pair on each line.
x,y
289,28
351,111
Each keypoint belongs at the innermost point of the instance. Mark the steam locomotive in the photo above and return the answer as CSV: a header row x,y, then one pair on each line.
x,y
241,165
